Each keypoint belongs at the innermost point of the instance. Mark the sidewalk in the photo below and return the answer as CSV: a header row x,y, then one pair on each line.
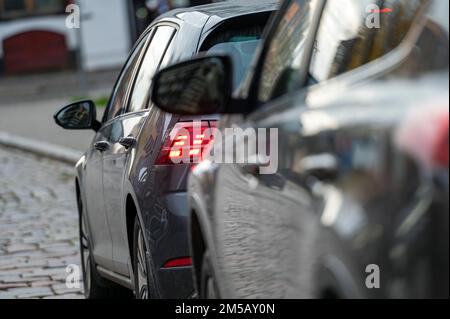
x,y
48,86
27,105
38,227
35,121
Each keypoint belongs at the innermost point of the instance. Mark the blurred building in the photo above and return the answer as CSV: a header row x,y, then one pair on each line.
x,y
142,12
34,36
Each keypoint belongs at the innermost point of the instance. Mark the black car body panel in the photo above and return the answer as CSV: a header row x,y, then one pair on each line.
x,y
294,234
120,183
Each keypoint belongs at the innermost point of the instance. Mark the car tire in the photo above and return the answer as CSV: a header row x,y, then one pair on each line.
x,y
208,283
144,280
95,287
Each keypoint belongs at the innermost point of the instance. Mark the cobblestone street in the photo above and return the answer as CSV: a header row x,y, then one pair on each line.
x,y
38,227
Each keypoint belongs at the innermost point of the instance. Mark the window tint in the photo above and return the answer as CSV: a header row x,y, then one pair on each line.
x,y
353,33
286,51
117,104
140,96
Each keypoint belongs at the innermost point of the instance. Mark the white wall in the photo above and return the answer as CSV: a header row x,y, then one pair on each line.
x,y
105,32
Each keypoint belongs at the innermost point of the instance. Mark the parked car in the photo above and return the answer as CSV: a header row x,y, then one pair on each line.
x,y
357,101
131,197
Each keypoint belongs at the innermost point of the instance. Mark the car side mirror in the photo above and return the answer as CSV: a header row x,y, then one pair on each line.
x,y
78,116
200,86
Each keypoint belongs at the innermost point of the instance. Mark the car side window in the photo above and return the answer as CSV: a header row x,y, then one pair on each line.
x,y
286,51
140,96
117,104
354,33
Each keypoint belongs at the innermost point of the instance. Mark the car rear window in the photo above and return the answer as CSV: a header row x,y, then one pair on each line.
x,y
240,44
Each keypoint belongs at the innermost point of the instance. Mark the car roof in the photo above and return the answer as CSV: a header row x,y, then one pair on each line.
x,y
222,10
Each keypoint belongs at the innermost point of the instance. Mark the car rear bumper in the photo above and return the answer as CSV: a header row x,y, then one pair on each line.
x,y
164,208
177,281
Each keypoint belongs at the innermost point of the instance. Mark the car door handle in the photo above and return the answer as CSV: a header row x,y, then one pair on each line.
x,y
127,142
321,166
101,146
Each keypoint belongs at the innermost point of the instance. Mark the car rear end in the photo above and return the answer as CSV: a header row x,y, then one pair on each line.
x,y
182,146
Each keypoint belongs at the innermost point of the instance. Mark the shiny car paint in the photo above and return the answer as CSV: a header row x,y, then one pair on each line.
x,y
297,235
120,182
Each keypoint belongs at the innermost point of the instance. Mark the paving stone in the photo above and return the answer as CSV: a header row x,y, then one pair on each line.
x,y
72,260
62,289
66,296
19,248
16,271
55,245
43,283
33,263
59,277
38,227
8,266
45,272
64,250
12,285
11,260
33,279
38,292
5,279
7,295
58,263
17,291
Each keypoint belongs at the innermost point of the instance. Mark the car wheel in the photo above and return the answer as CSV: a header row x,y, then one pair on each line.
x,y
143,269
95,287
208,284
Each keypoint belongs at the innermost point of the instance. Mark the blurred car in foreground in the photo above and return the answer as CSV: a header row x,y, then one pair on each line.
x,y
131,197
358,207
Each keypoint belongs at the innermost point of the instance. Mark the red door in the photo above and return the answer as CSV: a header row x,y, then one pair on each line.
x,y
35,51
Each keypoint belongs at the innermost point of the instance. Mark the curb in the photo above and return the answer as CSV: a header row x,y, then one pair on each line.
x,y
55,152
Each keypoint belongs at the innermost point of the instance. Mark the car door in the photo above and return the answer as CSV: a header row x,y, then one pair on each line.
x,y
95,210
363,204
262,213
330,189
123,133
95,201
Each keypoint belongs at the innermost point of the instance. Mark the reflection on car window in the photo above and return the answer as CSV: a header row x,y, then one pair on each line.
x,y
286,51
140,96
354,33
117,104
240,45
116,131
433,42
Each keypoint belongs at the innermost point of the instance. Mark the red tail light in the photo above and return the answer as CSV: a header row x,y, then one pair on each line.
x,y
179,262
425,136
440,157
186,143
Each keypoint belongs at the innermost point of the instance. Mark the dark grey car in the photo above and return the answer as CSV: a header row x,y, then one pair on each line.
x,y
358,205
132,198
